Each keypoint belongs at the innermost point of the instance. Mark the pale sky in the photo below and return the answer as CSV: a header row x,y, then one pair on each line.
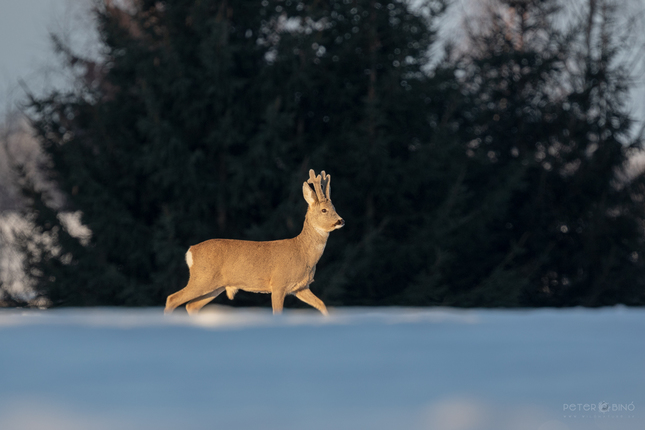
x,y
23,43
25,48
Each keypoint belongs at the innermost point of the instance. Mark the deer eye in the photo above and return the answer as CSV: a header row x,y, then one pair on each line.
x,y
324,211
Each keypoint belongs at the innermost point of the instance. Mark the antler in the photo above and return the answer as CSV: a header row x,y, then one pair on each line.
x,y
326,182
320,182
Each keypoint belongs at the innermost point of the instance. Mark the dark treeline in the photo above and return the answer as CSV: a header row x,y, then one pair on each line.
x,y
493,179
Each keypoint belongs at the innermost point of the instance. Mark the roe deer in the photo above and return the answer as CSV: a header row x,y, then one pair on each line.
x,y
279,267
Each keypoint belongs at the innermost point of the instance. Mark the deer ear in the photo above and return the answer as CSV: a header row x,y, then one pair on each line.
x,y
308,193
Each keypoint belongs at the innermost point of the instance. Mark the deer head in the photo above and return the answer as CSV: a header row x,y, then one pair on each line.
x,y
321,212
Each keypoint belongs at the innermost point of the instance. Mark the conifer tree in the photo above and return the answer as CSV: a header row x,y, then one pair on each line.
x,y
551,141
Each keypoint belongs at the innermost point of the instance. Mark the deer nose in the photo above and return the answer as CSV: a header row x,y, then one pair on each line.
x,y
340,222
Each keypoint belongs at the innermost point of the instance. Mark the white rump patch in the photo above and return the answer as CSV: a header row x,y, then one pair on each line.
x,y
189,259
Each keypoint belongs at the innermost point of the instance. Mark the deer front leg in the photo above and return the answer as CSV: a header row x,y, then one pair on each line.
x,y
308,297
277,301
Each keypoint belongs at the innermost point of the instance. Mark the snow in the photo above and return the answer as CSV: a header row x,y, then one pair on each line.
x,y
360,368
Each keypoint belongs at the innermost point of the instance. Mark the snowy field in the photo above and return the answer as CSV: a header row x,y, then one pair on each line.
x,y
382,368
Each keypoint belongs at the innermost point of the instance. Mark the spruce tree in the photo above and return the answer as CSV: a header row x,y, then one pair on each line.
x,y
550,141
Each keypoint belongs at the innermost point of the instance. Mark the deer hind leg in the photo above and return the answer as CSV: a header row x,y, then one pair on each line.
x,y
176,299
194,305
308,297
195,289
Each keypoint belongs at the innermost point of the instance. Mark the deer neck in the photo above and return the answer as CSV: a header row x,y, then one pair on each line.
x,y
312,240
